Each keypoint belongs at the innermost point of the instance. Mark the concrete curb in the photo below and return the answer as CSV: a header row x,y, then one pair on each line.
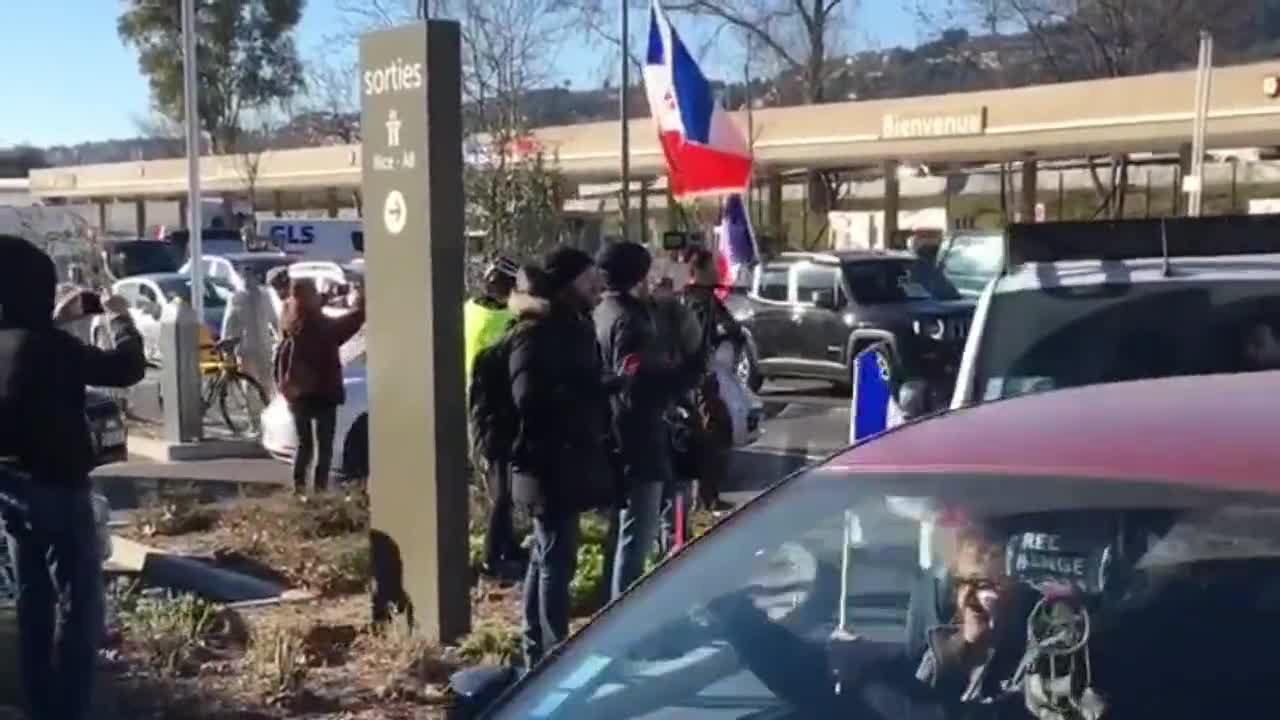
x,y
158,450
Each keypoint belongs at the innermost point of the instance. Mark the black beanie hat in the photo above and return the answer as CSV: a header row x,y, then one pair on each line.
x,y
562,266
28,280
624,265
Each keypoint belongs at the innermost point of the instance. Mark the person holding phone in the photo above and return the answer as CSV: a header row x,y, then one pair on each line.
x,y
46,450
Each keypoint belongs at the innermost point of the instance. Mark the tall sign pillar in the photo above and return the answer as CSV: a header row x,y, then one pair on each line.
x,y
411,124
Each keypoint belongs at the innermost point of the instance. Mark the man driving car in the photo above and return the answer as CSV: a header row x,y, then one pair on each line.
x,y
958,676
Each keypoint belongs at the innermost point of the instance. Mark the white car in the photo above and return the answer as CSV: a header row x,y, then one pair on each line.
x,y
1097,303
351,436
148,294
236,268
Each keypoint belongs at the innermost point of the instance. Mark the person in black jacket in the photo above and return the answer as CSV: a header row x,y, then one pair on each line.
x,y
717,326
45,442
629,343
560,466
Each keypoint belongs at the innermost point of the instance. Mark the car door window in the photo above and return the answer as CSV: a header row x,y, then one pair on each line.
x,y
814,280
773,284
147,295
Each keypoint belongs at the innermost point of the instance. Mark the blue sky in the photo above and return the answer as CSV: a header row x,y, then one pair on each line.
x,y
78,82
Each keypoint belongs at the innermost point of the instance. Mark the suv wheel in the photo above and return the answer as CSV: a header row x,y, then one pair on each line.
x,y
748,370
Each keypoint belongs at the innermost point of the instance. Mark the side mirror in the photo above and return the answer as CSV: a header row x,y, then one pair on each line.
x,y
825,299
475,689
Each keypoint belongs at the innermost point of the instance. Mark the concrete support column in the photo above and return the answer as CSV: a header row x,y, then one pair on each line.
x,y
277,203
644,212
673,210
1184,170
102,216
228,211
892,202
1027,207
331,202
180,374
140,216
775,208
183,220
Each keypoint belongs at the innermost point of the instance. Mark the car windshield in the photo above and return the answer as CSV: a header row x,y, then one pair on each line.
x,y
847,595
215,293
258,268
1042,339
875,282
140,257
970,261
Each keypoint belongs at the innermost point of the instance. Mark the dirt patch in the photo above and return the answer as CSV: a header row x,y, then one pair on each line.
x,y
185,658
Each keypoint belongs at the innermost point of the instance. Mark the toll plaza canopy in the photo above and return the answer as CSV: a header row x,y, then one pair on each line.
x,y
1151,113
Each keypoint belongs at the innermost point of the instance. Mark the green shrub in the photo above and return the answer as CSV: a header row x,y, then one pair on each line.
x,y
170,635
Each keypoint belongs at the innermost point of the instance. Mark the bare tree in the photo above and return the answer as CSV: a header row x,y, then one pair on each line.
x,y
330,111
259,135
1085,39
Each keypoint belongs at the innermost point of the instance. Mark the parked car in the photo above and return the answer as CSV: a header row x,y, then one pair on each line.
x,y
148,294
127,258
971,259
235,269
1080,303
1127,545
809,314
107,426
213,241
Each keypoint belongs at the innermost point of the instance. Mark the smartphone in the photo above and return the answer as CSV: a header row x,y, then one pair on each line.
x,y
91,303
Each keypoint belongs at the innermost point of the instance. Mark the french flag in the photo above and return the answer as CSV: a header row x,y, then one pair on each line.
x,y
737,246
706,152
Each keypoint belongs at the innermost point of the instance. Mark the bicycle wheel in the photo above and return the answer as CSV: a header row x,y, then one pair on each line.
x,y
241,400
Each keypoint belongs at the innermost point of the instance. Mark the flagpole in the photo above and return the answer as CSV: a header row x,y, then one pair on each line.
x,y
624,135
191,114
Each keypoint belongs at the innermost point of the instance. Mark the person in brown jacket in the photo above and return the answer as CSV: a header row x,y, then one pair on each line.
x,y
309,374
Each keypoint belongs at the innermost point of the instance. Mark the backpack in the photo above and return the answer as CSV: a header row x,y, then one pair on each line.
x,y
491,408
283,369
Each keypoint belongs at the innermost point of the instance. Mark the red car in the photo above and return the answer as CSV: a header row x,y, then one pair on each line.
x,y
1103,552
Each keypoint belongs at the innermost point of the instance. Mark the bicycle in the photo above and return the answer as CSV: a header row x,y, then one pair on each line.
x,y
239,396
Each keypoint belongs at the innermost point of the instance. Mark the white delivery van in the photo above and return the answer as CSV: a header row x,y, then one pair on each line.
x,y
338,241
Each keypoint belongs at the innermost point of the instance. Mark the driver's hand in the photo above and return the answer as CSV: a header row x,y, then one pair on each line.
x,y
115,305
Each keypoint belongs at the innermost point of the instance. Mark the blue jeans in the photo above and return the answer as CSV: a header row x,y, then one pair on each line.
x,y
58,564
637,534
552,563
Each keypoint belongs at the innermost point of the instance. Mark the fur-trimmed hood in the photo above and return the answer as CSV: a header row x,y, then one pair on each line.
x,y
524,305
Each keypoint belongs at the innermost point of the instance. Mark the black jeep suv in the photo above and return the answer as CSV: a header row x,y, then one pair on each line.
x,y
809,314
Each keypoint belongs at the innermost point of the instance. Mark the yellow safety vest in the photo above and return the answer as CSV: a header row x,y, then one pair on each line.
x,y
481,327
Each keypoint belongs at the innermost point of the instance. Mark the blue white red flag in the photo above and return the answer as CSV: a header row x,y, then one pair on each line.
x,y
706,152
736,242
737,239
872,398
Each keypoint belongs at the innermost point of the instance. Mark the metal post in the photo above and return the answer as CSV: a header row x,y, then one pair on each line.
x,y
191,115
624,134
1204,87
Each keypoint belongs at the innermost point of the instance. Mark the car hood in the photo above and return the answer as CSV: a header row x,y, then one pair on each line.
x,y
920,309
